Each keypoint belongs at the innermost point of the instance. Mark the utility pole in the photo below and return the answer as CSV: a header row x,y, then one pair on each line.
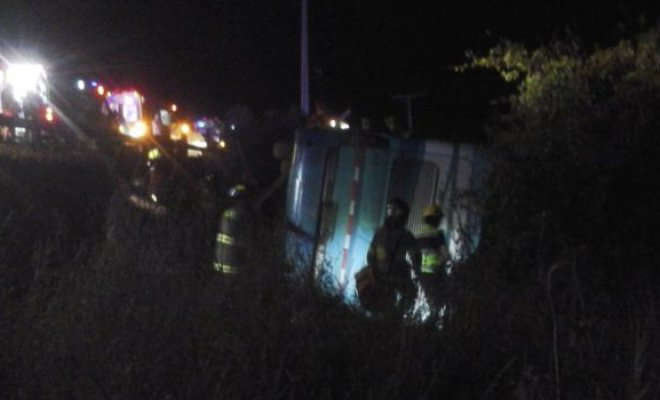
x,y
304,61
407,99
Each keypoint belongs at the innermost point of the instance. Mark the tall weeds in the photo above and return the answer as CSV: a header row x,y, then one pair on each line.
x,y
140,314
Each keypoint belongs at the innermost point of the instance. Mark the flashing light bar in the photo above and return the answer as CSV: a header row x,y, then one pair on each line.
x,y
50,117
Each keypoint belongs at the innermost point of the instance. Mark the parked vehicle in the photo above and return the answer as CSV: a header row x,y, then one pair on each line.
x,y
24,105
126,107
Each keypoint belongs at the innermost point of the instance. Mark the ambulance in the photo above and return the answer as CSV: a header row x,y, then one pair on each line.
x,y
126,107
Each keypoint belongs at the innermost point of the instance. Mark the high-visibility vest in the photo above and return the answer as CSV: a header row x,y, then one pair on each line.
x,y
392,251
230,241
431,242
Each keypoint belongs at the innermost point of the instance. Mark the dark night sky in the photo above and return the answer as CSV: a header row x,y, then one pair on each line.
x,y
212,54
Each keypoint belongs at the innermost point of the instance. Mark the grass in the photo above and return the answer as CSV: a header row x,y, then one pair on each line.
x,y
140,314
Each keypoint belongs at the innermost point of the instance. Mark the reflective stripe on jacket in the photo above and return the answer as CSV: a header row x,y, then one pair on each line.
x,y
230,252
393,252
433,248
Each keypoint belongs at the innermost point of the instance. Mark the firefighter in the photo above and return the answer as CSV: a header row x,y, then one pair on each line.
x,y
231,240
31,111
394,255
433,247
10,108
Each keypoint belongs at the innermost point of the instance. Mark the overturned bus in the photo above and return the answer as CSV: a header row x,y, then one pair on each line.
x,y
339,184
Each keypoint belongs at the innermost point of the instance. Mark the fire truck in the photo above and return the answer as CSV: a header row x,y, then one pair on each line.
x,y
24,107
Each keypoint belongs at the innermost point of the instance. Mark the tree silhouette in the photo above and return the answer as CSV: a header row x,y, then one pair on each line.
x,y
568,264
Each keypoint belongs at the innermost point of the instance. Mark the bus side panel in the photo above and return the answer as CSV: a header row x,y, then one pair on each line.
x,y
369,214
304,195
461,180
449,174
358,197
330,254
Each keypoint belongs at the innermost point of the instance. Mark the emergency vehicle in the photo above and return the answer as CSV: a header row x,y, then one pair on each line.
x,y
339,184
126,107
213,130
24,105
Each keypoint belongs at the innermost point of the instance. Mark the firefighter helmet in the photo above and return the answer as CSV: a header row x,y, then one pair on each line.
x,y
398,209
432,210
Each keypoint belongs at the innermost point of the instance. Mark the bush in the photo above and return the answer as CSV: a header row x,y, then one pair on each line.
x,y
563,287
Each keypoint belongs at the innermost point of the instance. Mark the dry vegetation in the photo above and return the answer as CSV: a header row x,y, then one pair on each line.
x,y
559,302
141,315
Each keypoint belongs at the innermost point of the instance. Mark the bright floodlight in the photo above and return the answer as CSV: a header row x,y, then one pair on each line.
x,y
25,78
138,130
196,139
185,128
80,84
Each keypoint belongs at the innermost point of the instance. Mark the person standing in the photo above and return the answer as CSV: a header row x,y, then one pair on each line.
x,y
435,255
231,241
394,255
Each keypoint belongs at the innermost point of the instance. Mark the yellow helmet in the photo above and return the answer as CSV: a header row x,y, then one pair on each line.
x,y
432,210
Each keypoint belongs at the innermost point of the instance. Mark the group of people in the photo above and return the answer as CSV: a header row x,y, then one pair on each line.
x,y
28,110
396,258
